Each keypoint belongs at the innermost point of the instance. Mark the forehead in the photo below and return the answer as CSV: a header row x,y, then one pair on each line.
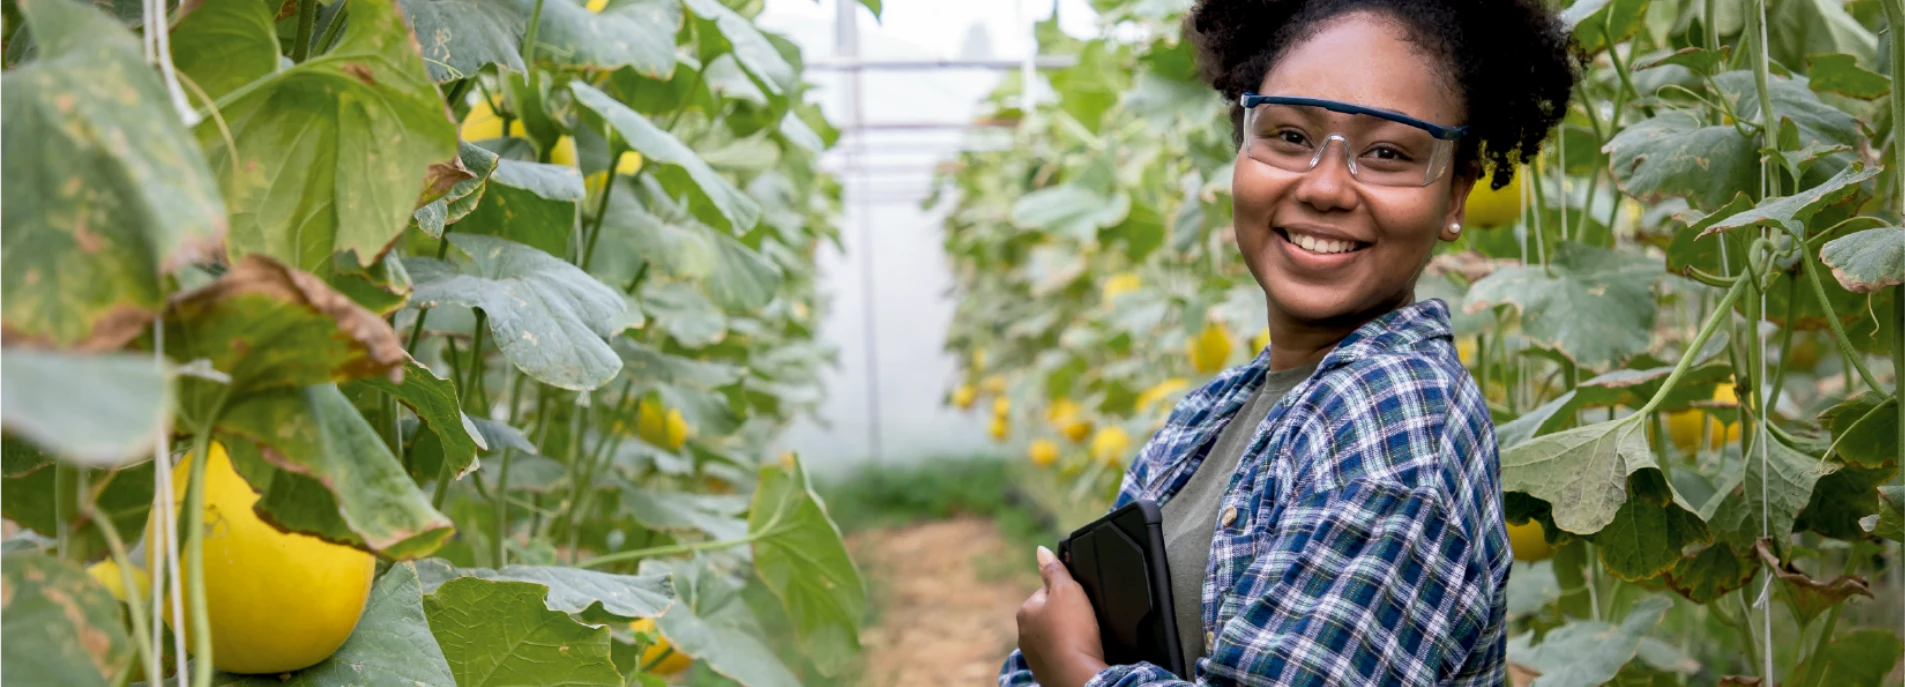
x,y
1368,60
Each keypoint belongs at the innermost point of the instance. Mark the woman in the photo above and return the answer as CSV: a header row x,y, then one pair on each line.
x,y
1334,504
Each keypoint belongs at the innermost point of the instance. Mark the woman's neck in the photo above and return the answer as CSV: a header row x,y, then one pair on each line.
x,y
1296,342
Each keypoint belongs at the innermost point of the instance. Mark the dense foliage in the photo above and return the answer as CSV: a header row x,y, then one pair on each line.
x,y
1715,213
532,361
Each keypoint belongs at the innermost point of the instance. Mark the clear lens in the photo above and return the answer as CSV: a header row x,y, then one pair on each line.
x,y
1377,151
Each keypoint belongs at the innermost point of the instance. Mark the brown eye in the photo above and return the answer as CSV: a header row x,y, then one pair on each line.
x,y
1292,137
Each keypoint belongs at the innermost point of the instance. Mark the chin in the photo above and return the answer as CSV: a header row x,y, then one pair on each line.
x,y
1329,306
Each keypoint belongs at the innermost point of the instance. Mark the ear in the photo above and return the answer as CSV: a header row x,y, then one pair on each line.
x,y
1459,187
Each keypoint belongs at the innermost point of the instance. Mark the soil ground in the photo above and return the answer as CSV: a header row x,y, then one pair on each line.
x,y
945,593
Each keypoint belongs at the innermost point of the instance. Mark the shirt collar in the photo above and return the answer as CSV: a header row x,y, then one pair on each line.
x,y
1396,330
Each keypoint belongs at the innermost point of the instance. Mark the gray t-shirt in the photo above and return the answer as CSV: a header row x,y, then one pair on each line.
x,y
1190,517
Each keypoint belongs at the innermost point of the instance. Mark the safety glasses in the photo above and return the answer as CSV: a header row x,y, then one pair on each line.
x,y
1380,147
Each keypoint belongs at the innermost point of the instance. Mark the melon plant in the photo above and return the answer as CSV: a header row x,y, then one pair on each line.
x,y
460,329
1717,212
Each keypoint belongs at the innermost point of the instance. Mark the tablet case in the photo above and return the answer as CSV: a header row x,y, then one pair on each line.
x,y
1119,560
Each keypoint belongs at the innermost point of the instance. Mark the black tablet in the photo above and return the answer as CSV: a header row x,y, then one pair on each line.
x,y
1119,560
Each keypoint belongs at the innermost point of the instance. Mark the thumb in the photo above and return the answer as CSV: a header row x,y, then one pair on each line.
x,y
1051,569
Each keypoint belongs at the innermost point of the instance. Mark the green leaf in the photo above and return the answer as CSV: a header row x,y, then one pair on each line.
x,y
1794,210
1676,154
1646,537
62,626
750,47
1596,308
674,510
461,37
539,474
100,410
1589,21
1769,497
1543,419
334,476
1864,429
461,199
105,190
1862,658
1588,653
1070,209
570,590
1867,261
531,203
334,154
391,647
1714,572
742,280
628,33
684,312
660,147
28,496
653,232
1582,472
549,318
656,367
1699,60
1841,500
1840,73
265,326
1891,519
805,563
221,45
711,623
500,633
1818,123
1634,387
1806,596
434,400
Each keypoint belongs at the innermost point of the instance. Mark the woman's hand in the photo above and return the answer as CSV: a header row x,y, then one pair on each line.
x,y
1058,633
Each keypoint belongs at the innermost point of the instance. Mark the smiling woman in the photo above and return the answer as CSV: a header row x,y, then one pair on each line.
x,y
1333,509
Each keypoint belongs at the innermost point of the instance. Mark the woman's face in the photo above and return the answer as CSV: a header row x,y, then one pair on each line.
x,y
1367,60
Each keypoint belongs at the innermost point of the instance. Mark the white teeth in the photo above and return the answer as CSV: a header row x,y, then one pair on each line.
x,y
1321,245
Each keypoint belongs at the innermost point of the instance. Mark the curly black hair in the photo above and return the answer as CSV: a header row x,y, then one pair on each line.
x,y
1514,61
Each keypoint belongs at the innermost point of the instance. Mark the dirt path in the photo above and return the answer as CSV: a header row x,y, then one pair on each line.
x,y
946,596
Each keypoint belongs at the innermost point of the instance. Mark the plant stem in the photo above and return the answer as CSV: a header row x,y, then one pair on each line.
x,y
135,604
620,556
476,357
501,497
1852,355
1785,347
334,28
307,18
1745,627
1720,314
1895,17
602,205
1898,349
201,623
65,507
1815,663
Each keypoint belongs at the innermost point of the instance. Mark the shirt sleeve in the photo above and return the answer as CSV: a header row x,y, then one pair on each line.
x,y
1368,583
1015,672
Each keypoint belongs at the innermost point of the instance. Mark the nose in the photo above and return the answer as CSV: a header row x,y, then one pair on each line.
x,y
1329,185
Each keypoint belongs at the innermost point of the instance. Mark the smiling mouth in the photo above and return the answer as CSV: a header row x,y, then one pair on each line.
x,y
1319,245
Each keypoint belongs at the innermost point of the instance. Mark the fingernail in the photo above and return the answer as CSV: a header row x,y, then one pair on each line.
x,y
1045,556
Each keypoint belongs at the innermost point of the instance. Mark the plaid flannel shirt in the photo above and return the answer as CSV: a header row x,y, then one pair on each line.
x,y
1369,546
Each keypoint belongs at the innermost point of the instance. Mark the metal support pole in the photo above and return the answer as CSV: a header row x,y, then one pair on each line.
x,y
847,47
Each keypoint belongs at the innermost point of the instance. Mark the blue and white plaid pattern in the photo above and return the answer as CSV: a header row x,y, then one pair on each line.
x,y
1369,546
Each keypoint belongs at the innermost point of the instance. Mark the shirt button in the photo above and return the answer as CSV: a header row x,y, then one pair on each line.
x,y
1209,639
1230,516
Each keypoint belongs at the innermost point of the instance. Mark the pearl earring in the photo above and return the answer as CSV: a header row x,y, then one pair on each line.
x,y
1455,228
